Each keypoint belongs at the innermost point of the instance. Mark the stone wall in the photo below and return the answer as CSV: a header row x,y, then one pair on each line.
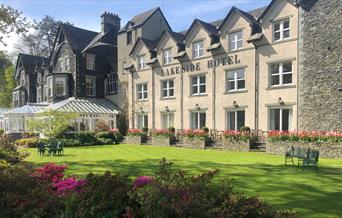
x,y
134,139
194,142
230,145
161,140
320,56
328,150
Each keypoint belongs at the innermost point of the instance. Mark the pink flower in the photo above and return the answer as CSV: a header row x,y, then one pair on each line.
x,y
68,185
142,181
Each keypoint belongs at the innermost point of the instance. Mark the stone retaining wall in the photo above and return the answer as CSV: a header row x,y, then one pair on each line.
x,y
230,145
135,139
326,149
194,142
162,140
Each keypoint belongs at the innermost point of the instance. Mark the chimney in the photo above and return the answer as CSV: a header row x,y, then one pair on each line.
x,y
110,21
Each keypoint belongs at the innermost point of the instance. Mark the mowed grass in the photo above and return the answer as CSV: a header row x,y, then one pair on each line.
x,y
264,175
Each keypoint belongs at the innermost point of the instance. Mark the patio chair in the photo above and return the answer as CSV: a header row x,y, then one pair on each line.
x,y
41,148
300,153
59,148
52,148
289,155
311,160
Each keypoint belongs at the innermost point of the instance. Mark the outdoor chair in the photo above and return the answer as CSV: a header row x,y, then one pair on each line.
x,y
300,153
59,148
289,155
52,148
41,148
311,160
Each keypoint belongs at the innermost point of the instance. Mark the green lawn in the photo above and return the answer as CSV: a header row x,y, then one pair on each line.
x,y
311,194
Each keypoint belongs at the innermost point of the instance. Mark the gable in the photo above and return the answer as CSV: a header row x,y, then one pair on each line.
x,y
275,7
235,21
138,46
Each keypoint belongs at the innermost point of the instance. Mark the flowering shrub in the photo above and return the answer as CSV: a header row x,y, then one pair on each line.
x,y
236,135
142,181
162,132
117,134
50,173
135,132
195,133
306,136
101,126
68,186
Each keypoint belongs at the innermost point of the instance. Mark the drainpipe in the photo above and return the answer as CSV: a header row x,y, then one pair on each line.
x,y
298,61
181,101
153,101
132,96
256,121
214,95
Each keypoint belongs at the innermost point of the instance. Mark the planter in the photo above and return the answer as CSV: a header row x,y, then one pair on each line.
x,y
162,140
232,145
136,139
194,142
326,149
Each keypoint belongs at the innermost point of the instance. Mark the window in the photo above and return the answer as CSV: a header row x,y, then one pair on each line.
x,y
16,99
198,120
50,86
142,121
235,119
90,86
281,30
235,40
236,80
90,61
45,94
129,37
167,120
22,98
142,62
111,84
197,49
60,86
280,118
142,91
198,85
39,94
61,64
281,74
167,56
67,64
168,88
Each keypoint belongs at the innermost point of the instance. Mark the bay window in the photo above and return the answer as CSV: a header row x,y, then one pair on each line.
x,y
198,85
60,86
281,74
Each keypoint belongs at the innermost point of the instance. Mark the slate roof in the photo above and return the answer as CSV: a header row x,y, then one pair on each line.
x,y
148,43
140,19
210,28
293,2
77,37
29,62
85,105
108,38
256,13
30,108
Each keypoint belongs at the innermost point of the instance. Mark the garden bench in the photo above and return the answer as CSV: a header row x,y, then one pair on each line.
x,y
311,160
41,148
306,157
59,148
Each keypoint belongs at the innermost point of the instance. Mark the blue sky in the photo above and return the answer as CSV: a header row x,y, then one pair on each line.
x,y
86,13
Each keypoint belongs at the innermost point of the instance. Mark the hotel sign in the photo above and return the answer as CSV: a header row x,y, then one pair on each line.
x,y
192,67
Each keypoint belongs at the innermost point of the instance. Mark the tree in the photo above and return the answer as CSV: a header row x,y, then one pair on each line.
x,y
11,20
5,71
51,123
40,42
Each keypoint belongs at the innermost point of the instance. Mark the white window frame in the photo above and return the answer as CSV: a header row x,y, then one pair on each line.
x,y
93,83
142,119
142,89
111,84
63,80
168,88
281,29
233,38
167,56
280,74
50,86
170,118
198,117
235,111
235,80
198,84
198,49
90,61
141,62
280,117
39,94
16,99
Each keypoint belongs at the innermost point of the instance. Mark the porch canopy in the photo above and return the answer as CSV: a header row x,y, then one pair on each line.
x,y
15,119
90,111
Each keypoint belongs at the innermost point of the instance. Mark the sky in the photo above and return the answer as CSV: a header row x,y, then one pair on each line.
x,y
86,14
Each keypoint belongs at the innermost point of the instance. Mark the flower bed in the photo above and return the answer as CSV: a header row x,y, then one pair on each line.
x,y
162,137
329,144
236,140
195,138
136,136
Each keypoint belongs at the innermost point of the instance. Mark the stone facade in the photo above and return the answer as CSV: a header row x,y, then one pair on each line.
x,y
194,142
162,141
327,150
320,94
230,145
134,139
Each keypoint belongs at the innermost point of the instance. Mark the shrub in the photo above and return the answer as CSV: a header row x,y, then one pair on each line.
x,y
70,142
27,142
135,132
30,135
162,133
195,133
117,134
8,151
245,129
305,136
172,129
205,129
101,126
237,135
2,131
145,130
86,138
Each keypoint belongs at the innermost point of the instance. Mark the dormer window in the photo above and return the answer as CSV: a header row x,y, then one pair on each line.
x,y
129,37
167,56
90,61
281,30
235,40
142,62
197,49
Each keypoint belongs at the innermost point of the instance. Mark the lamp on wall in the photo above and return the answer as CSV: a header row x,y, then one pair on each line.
x,y
141,110
167,108
281,101
235,104
197,107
